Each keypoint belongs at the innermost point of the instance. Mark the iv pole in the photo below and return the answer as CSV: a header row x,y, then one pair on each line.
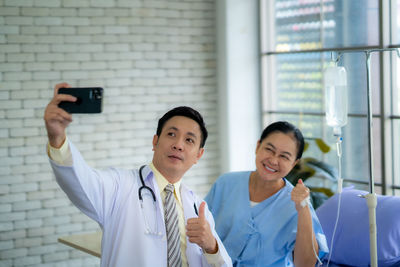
x,y
371,197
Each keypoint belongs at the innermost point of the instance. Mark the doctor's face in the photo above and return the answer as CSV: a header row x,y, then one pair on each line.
x,y
177,148
276,156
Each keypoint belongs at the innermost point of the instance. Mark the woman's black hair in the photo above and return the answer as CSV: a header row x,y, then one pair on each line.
x,y
286,128
185,112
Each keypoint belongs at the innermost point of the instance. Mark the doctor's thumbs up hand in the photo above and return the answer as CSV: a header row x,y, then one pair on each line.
x,y
198,231
300,194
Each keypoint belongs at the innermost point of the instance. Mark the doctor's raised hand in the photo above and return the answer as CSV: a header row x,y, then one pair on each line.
x,y
199,232
57,119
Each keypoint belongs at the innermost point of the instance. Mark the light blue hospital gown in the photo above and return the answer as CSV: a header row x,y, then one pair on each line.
x,y
263,235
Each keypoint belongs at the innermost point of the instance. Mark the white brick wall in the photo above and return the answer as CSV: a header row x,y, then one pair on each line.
x,y
148,55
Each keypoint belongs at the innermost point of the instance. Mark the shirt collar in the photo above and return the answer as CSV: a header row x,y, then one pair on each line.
x,y
162,182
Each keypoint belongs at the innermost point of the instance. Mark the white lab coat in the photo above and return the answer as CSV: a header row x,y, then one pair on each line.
x,y
110,197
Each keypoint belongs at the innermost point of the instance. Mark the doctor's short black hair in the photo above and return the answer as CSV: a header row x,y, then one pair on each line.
x,y
286,128
185,112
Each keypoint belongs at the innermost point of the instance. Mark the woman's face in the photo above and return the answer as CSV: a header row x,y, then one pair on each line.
x,y
276,156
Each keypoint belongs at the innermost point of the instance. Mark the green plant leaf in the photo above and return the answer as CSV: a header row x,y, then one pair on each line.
x,y
311,167
306,146
323,190
300,171
322,168
322,145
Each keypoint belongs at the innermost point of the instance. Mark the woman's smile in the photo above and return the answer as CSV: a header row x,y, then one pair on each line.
x,y
269,169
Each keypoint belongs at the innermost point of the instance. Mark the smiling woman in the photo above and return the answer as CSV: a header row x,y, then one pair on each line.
x,y
275,157
265,222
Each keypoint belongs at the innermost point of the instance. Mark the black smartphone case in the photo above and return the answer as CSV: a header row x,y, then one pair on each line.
x,y
90,100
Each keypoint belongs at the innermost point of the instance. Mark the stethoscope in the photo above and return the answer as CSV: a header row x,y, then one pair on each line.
x,y
148,230
155,231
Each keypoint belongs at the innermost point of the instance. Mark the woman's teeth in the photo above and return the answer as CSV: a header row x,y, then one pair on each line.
x,y
269,169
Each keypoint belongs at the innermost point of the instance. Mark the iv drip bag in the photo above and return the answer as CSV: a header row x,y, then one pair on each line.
x,y
335,80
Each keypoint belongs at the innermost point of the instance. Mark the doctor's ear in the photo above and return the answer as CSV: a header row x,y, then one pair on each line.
x,y
155,141
199,154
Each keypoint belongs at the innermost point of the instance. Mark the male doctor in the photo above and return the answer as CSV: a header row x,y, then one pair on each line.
x,y
135,235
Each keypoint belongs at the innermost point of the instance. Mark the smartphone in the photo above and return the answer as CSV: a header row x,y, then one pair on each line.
x,y
89,100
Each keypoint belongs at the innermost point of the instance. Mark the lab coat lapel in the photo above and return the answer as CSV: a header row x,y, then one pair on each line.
x,y
188,200
150,181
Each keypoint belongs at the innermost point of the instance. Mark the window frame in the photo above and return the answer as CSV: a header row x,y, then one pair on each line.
x,y
388,61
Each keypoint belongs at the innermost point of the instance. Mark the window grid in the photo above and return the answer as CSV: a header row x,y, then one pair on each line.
x,y
272,111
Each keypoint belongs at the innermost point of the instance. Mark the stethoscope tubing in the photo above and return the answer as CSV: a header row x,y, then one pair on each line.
x,y
144,186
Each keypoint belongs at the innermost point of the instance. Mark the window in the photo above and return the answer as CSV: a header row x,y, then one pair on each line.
x,y
292,80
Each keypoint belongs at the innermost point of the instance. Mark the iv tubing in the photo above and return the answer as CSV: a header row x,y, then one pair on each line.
x,y
304,203
334,229
339,189
313,247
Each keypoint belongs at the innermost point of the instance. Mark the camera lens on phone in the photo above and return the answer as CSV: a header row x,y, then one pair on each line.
x,y
97,94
